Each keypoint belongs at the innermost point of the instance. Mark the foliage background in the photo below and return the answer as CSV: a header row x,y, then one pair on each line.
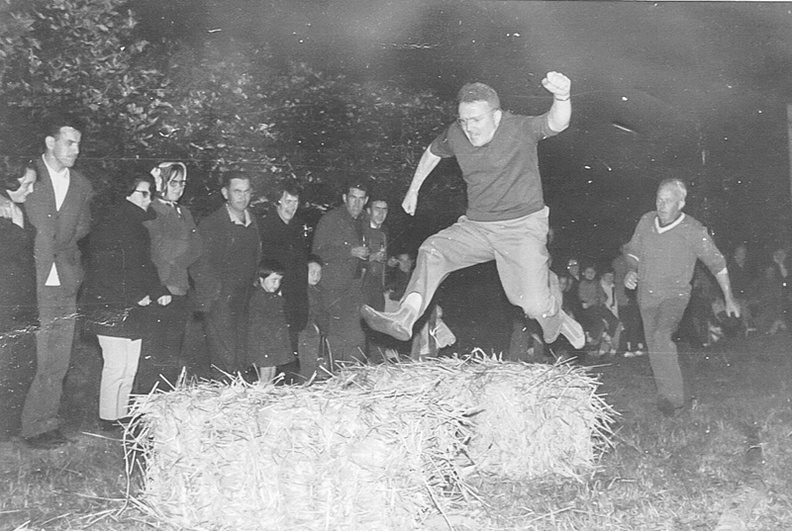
x,y
221,99
217,105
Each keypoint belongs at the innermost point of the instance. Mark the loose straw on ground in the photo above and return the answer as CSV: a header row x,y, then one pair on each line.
x,y
386,447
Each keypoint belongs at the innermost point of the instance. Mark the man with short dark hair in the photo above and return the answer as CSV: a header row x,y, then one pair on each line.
x,y
662,257
225,273
506,219
339,240
59,208
376,239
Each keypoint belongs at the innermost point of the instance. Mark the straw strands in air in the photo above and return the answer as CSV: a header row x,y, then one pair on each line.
x,y
377,447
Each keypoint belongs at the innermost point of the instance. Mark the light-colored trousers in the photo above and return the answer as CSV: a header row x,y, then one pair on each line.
x,y
121,356
519,248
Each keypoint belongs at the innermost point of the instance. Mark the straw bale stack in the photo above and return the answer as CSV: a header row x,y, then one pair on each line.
x,y
384,447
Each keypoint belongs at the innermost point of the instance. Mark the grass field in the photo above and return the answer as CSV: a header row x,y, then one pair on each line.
x,y
725,464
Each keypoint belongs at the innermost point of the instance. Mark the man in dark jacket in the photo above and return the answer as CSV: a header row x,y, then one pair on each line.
x,y
225,272
377,241
59,208
339,240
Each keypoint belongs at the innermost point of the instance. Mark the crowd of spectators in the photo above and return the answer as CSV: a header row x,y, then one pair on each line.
x,y
268,309
594,292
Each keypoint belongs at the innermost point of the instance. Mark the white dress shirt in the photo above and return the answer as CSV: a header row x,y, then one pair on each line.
x,y
60,185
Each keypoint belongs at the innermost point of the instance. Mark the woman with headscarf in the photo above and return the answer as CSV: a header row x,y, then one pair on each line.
x,y
18,309
123,286
175,246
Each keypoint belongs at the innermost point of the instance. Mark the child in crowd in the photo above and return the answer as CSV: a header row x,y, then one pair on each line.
x,y
571,301
312,336
573,272
770,302
697,325
608,283
599,322
269,345
630,342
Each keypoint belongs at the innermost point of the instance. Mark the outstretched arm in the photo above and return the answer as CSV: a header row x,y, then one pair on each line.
x,y
561,111
425,166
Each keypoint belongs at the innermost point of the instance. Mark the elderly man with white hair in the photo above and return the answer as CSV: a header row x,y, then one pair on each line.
x,y
662,256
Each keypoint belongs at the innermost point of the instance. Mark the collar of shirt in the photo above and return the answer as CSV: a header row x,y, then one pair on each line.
x,y
172,204
63,174
235,221
661,229
17,217
60,183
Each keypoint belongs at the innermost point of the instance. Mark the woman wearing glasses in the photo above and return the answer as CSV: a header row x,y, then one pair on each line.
x,y
175,246
122,287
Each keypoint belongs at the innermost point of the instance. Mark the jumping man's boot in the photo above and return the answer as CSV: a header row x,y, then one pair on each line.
x,y
398,324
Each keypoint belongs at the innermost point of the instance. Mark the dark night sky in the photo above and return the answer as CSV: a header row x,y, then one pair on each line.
x,y
655,85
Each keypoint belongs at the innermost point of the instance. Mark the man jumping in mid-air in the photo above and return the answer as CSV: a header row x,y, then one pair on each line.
x,y
506,218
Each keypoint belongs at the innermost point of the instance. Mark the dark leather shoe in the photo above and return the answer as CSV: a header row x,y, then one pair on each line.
x,y
47,440
111,427
669,409
398,324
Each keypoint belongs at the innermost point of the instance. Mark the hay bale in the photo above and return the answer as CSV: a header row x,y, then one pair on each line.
x,y
527,420
384,447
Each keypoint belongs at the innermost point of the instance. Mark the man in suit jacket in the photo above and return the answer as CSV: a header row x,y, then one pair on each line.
x,y
224,275
59,208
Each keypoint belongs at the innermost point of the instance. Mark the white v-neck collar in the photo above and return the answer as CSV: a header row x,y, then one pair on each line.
x,y
677,221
